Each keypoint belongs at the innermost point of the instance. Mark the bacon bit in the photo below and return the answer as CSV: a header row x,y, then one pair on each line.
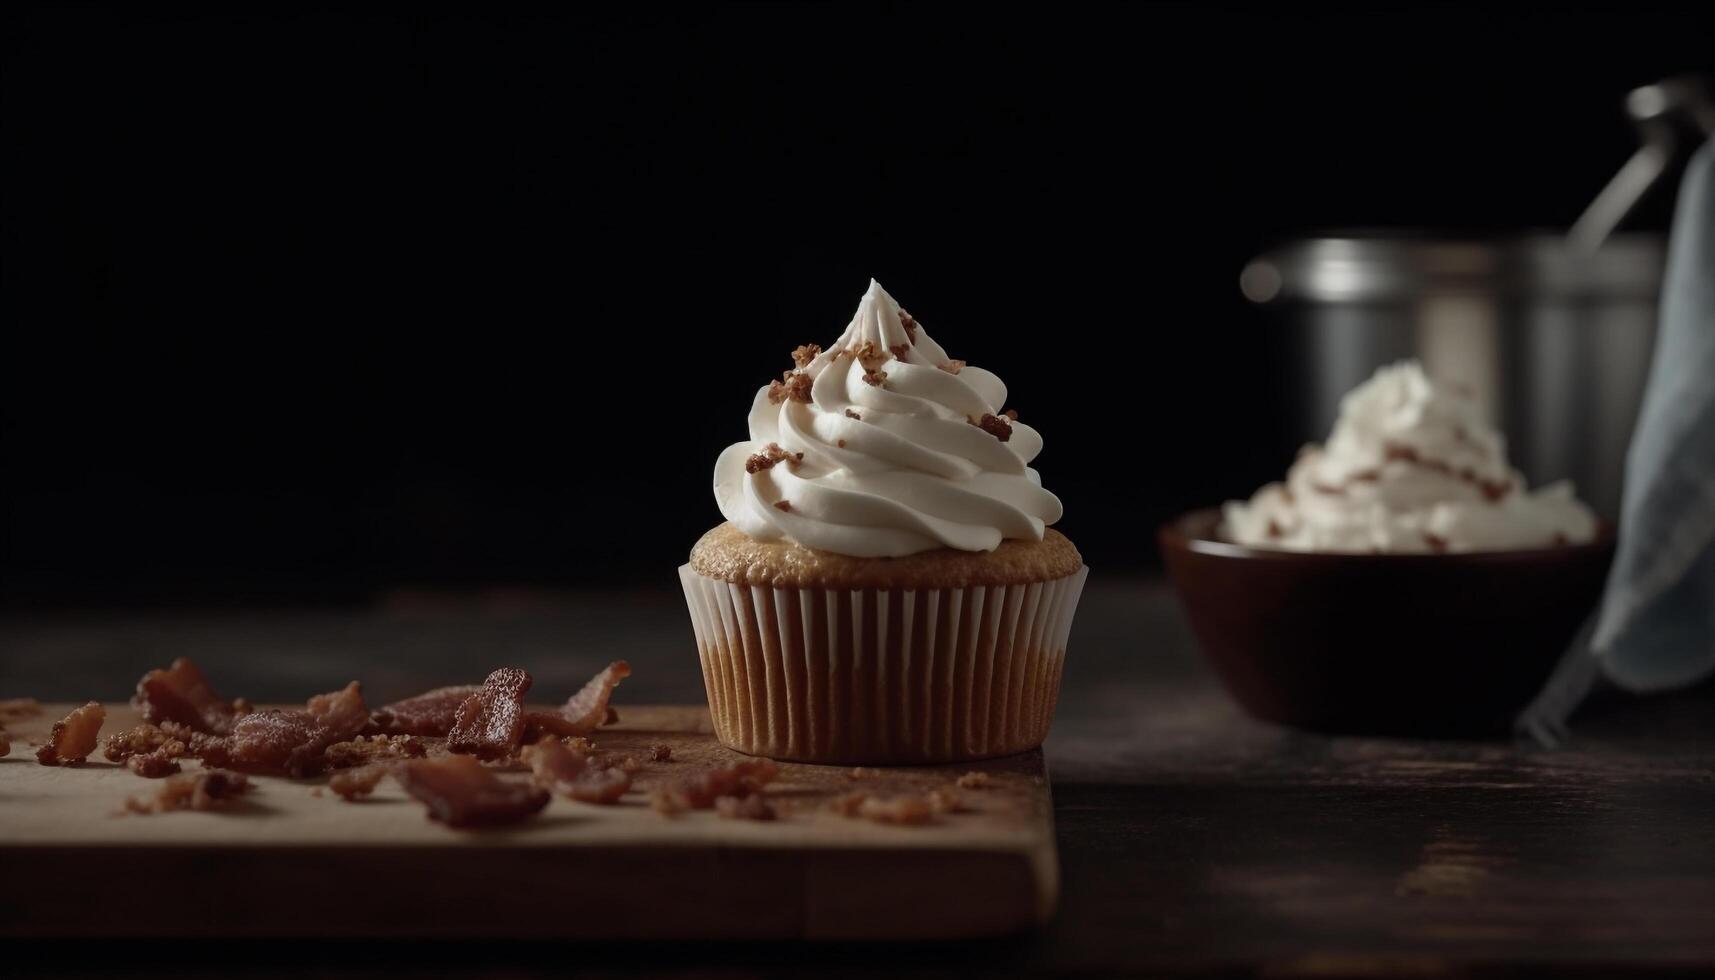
x,y
365,750
586,710
907,810
286,742
571,773
242,706
848,804
208,790
699,792
430,714
1435,542
910,326
806,353
953,366
182,694
143,739
853,415
146,750
994,425
460,792
785,506
841,443
340,711
795,386
944,799
73,737
863,772
868,354
1274,530
353,783
875,379
744,808
490,723
1011,414
975,780
15,709
771,454
154,765
1492,490
900,350
660,753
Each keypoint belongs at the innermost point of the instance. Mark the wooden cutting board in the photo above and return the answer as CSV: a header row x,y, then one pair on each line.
x,y
287,861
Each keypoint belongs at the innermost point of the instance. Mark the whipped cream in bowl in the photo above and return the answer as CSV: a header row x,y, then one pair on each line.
x,y
1411,467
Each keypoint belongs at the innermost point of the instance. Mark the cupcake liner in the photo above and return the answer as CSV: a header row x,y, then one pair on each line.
x,y
882,676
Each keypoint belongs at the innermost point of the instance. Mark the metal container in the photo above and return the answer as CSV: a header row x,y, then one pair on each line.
x,y
1554,342
1552,334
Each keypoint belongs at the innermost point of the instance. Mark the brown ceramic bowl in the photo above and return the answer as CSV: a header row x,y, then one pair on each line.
x,y
1451,644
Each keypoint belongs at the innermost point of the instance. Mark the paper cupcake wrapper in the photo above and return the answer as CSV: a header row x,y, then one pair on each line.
x,y
882,676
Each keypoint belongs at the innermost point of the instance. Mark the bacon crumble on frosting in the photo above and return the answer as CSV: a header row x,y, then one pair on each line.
x,y
771,454
803,354
795,386
875,378
953,366
853,415
994,425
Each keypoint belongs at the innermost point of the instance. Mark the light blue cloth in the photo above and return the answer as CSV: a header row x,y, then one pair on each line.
x,y
1656,625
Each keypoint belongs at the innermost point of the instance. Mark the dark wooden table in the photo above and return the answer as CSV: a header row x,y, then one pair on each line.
x,y
1193,840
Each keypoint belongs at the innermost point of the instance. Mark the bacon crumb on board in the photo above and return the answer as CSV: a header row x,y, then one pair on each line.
x,y
287,742
365,749
573,772
699,792
428,714
153,765
490,723
752,807
908,809
975,780
863,772
660,752
73,737
210,789
460,792
353,783
181,694
141,740
587,710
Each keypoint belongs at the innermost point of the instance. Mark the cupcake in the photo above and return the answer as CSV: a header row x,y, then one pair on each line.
x,y
885,589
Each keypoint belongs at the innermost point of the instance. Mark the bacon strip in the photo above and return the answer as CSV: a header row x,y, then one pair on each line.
x,y
585,711
573,773
74,737
288,742
459,792
490,723
428,714
181,694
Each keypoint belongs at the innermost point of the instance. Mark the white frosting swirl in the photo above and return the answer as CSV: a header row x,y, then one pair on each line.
x,y
886,469
1410,467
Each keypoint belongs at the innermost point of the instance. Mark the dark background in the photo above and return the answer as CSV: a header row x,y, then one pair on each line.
x,y
311,301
